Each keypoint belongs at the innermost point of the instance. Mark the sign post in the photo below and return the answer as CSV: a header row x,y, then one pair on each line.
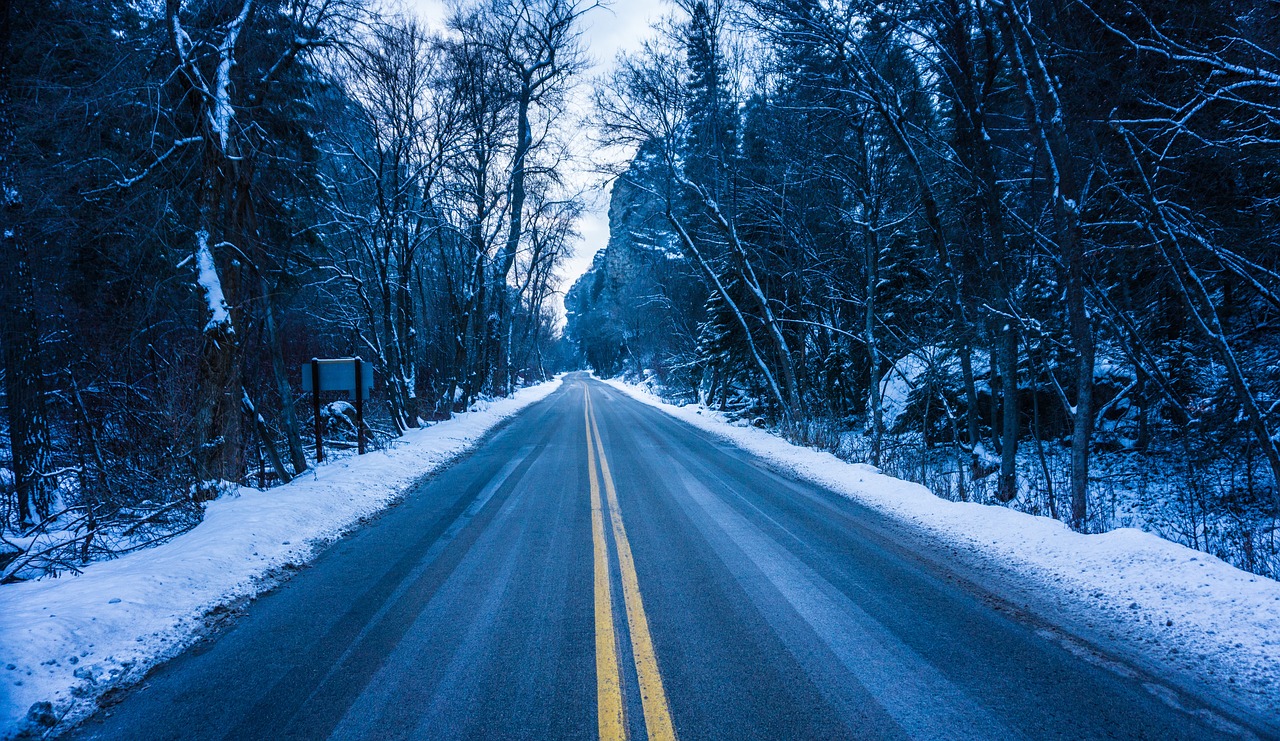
x,y
315,398
359,371
351,375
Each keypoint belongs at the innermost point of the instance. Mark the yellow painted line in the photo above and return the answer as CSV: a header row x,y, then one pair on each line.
x,y
608,678
653,698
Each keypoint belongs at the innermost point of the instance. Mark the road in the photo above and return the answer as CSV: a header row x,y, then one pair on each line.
x,y
599,569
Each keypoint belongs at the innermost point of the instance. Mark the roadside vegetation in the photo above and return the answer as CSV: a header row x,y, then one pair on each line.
x,y
201,195
1022,252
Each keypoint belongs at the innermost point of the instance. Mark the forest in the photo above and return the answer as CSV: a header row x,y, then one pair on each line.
x,y
1021,251
202,195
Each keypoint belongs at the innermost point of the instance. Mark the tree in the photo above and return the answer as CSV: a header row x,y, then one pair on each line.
x,y
23,365
537,43
386,183
204,51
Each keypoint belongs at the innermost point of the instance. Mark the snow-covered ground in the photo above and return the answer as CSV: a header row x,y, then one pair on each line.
x,y
1169,605
64,641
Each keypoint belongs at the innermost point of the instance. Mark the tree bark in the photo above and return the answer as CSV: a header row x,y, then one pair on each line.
x,y
524,142
264,438
1008,360
292,430
871,242
24,382
24,368
1047,118
975,149
218,453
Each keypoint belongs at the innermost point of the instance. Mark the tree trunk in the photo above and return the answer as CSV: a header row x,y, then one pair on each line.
x,y
292,431
524,142
1049,496
1082,430
24,368
218,455
871,240
1047,119
264,438
873,356
976,147
406,336
1008,358
475,334
391,360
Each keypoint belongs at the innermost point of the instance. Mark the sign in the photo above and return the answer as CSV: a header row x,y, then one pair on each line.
x,y
344,375
339,374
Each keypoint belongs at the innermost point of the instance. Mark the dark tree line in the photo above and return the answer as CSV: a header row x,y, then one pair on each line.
x,y
200,195
995,245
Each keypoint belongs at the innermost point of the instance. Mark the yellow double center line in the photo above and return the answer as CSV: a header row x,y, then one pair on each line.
x,y
653,698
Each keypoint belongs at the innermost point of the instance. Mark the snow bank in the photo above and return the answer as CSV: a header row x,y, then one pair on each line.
x,y
1182,607
72,637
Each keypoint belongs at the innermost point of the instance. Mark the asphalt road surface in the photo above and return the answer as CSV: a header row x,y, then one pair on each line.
x,y
598,569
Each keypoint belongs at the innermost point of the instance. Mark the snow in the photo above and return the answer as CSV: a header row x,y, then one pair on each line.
x,y
222,111
907,373
67,640
1168,604
901,380
207,277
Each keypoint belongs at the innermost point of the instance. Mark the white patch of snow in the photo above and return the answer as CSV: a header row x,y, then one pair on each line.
x,y
905,376
1175,606
207,277
901,380
121,617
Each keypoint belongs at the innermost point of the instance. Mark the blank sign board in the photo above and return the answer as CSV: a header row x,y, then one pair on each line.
x,y
340,375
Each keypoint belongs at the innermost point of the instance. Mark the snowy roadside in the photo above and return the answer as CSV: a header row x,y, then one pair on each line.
x,y
1176,605
65,641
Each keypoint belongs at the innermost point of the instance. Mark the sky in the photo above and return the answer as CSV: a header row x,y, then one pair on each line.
x,y
622,26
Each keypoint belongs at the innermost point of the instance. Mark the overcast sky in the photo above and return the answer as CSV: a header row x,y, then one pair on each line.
x,y
623,26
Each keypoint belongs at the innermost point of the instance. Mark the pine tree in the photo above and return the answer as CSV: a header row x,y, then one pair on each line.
x,y
711,144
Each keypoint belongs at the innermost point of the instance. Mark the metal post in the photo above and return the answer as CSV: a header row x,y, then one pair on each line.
x,y
315,398
262,464
360,405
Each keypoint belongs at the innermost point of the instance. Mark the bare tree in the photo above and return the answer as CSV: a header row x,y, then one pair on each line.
x,y
385,208
537,43
1047,116
645,105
